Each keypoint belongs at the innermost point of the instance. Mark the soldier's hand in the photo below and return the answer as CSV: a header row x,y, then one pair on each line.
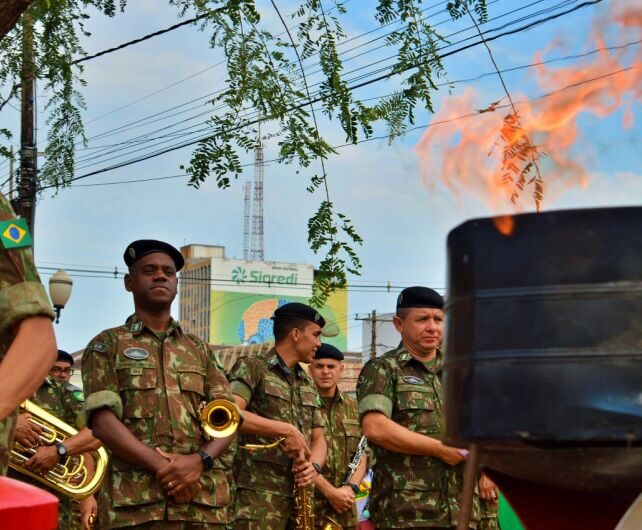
x,y
180,472
27,432
451,455
294,442
341,499
44,460
88,506
304,474
187,494
488,490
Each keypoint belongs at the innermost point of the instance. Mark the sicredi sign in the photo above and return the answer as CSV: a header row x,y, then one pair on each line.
x,y
262,277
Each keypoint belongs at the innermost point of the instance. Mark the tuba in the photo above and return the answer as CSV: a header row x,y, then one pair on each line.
x,y
71,477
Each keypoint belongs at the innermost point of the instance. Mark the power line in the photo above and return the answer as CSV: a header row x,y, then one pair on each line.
x,y
144,38
160,32
423,126
390,73
108,133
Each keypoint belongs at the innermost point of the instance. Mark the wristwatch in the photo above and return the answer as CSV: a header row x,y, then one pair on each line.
x,y
316,467
61,450
352,486
208,463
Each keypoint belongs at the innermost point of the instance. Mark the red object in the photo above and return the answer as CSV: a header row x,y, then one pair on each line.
x,y
542,507
25,506
365,525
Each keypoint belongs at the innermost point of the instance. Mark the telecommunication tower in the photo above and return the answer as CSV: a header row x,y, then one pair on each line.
x,y
253,241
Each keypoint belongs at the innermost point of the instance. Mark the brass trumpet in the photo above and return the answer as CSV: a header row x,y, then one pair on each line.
x,y
220,418
71,477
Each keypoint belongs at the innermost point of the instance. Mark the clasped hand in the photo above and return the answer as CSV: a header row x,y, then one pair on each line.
x,y
180,476
341,499
304,472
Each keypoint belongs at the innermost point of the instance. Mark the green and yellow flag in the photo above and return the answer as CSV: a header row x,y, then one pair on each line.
x,y
14,233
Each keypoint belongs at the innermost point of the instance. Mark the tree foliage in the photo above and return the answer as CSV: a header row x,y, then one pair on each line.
x,y
266,84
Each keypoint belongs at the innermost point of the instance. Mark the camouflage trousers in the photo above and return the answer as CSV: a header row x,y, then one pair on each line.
x,y
67,518
261,510
489,515
177,525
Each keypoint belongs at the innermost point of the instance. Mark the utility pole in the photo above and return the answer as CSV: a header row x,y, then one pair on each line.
x,y
11,172
26,201
373,331
373,334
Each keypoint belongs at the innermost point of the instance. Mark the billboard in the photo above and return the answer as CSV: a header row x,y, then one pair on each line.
x,y
262,277
244,317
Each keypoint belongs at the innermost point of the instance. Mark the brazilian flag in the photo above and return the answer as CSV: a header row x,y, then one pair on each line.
x,y
14,233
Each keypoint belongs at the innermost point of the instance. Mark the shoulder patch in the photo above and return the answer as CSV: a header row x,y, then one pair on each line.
x,y
75,392
98,346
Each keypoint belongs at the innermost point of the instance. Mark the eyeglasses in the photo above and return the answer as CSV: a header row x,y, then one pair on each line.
x,y
67,371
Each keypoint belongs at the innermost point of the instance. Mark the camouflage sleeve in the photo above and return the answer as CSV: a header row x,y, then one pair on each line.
x,y
74,406
21,293
216,385
375,388
99,375
318,419
245,377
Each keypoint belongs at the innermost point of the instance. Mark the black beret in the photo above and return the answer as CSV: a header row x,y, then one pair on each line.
x,y
420,297
142,247
328,351
64,357
297,310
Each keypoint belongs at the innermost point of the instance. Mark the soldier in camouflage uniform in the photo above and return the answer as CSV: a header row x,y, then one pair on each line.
x,y
27,342
334,496
145,383
280,401
66,402
417,479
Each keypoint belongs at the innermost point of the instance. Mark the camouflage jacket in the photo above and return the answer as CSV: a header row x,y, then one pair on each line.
x,y
273,391
409,491
21,296
155,383
342,434
64,400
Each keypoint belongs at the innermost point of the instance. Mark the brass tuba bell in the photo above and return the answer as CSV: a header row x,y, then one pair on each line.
x,y
70,477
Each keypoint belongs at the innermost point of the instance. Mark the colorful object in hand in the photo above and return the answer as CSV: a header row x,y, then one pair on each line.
x,y
14,233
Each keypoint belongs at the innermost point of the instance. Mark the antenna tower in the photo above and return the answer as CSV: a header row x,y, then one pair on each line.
x,y
256,252
247,206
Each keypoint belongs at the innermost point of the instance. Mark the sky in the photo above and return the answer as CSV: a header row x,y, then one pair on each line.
x,y
402,210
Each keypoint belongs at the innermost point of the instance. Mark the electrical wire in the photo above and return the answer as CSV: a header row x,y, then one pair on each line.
x,y
165,140
192,142
383,137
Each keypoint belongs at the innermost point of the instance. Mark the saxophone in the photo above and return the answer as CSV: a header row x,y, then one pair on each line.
x,y
304,514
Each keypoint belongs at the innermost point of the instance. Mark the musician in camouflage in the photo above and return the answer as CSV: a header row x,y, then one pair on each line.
x,y
280,401
145,383
417,479
66,402
334,496
27,342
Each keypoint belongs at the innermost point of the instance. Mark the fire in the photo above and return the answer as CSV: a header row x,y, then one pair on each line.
x,y
505,224
482,152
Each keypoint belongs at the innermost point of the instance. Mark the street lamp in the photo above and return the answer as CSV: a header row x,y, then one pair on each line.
x,y
60,290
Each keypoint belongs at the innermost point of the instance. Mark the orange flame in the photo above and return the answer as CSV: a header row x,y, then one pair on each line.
x,y
505,224
461,148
